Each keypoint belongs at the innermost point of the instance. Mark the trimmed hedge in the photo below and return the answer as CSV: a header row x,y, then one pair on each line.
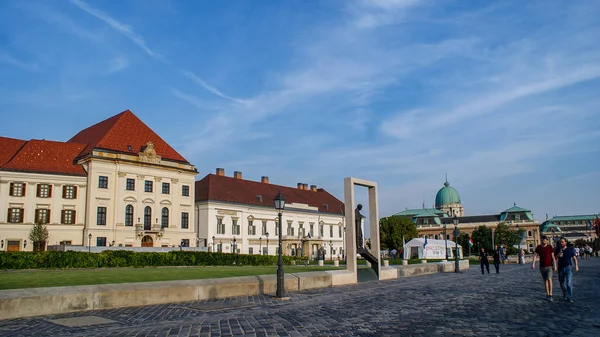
x,y
126,258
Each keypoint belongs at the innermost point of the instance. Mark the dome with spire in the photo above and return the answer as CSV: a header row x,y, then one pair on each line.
x,y
447,195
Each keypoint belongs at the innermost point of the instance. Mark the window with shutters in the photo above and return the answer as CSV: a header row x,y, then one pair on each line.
x,y
330,231
69,192
185,220
17,189
67,217
321,230
235,227
220,226
101,216
15,215
42,216
301,228
264,227
251,227
129,215
44,191
290,229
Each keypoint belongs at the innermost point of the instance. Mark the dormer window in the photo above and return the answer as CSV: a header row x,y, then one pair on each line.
x,y
129,148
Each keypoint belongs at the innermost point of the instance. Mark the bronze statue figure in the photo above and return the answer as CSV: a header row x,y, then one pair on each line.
x,y
358,221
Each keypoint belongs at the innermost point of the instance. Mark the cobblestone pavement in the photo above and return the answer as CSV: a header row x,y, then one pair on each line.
x,y
511,303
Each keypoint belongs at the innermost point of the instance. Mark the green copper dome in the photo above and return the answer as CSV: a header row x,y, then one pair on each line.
x,y
446,195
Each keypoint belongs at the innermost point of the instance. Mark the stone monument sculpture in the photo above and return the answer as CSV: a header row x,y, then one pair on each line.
x,y
358,223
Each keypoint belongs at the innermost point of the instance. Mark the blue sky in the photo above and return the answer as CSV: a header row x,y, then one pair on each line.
x,y
501,96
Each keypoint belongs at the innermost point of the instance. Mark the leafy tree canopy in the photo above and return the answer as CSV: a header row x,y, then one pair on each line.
x,y
392,228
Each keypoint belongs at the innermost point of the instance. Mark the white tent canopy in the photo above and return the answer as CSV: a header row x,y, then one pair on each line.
x,y
434,249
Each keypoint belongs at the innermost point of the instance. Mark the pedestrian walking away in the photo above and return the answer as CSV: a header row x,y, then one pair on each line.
x,y
483,260
497,259
547,264
565,258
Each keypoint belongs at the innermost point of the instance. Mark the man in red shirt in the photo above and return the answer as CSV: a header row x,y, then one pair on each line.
x,y
547,264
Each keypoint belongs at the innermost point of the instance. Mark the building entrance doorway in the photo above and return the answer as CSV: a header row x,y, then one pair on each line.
x,y
147,241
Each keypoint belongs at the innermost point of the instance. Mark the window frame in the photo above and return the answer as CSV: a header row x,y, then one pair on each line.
x,y
130,184
101,215
103,182
164,218
148,186
166,187
185,220
185,191
129,215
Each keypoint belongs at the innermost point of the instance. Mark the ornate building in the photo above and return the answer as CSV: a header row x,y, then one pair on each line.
x,y
432,222
573,227
114,183
237,215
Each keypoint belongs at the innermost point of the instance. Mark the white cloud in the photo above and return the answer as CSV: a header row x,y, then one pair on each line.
x,y
124,29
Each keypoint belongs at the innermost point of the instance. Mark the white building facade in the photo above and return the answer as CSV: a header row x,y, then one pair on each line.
x,y
235,215
116,183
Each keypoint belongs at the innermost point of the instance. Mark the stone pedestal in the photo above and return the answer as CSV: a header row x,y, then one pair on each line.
x,y
321,263
386,263
293,262
405,262
336,263
423,261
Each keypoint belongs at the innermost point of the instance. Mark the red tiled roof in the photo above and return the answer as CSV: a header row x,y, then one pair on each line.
x,y
121,130
222,188
45,156
8,148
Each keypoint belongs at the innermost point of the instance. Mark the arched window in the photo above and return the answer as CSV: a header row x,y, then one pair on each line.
x,y
147,217
165,218
529,233
128,215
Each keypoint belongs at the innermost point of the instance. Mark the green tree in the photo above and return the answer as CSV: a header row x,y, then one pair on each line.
x,y
392,228
482,237
38,235
507,235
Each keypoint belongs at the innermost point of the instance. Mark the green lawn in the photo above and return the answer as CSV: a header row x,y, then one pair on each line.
x,y
66,277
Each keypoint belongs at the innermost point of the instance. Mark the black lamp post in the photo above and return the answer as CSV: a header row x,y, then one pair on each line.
x,y
90,242
234,246
456,235
331,250
446,240
260,245
279,202
520,239
267,242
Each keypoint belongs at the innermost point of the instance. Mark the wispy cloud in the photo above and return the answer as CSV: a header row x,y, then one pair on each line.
x,y
210,88
8,59
124,29
117,64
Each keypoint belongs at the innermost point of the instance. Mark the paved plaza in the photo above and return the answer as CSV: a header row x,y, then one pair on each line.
x,y
466,304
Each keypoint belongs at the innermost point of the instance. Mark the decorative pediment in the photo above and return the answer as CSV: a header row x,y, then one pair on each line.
x,y
165,202
102,201
148,154
130,199
148,201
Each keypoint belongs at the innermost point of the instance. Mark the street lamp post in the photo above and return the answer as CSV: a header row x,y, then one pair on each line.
x,y
90,242
279,202
520,238
260,245
456,235
331,250
267,242
213,247
234,246
446,240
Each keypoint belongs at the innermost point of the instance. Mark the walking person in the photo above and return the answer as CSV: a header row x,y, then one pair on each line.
x,y
565,258
547,264
502,256
483,260
497,259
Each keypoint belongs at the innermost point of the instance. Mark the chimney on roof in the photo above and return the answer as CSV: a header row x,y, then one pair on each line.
x,y
237,175
313,188
264,179
300,186
220,171
305,187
